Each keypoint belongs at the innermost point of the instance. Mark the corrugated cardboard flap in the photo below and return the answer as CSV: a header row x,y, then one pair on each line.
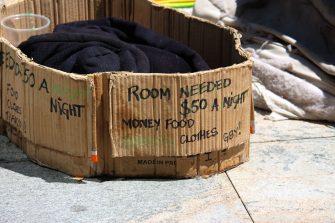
x,y
141,124
47,108
179,114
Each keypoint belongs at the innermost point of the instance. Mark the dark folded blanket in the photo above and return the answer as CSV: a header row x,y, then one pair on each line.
x,y
111,45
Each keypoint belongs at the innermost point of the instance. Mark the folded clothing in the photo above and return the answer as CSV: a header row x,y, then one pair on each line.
x,y
311,31
293,73
111,44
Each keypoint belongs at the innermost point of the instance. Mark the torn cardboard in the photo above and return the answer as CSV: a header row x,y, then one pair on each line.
x,y
152,125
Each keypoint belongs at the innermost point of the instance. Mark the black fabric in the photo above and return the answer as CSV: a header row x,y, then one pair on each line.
x,y
111,45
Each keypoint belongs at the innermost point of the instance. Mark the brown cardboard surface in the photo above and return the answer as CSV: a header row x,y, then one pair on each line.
x,y
179,27
141,13
180,167
59,118
178,115
46,107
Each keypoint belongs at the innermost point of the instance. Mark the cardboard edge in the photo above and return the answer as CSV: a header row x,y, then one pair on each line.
x,y
46,156
237,46
201,165
234,32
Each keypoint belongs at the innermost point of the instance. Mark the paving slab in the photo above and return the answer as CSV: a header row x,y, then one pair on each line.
x,y
287,130
289,178
30,193
291,181
9,152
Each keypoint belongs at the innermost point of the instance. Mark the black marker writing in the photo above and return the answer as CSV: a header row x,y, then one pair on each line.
x,y
142,123
234,100
201,135
175,124
192,106
66,109
138,94
209,86
20,70
234,133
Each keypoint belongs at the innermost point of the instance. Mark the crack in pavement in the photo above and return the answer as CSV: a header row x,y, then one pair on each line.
x,y
296,139
244,205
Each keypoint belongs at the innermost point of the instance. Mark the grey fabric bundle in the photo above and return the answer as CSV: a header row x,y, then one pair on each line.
x,y
293,48
305,24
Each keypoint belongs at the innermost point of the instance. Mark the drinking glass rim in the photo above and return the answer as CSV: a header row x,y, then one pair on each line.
x,y
25,15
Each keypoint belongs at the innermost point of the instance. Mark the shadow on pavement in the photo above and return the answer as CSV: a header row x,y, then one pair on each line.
x,y
30,169
105,178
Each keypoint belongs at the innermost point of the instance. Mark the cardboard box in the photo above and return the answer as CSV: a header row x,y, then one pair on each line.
x,y
153,125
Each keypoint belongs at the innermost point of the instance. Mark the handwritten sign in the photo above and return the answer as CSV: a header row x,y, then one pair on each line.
x,y
180,114
44,106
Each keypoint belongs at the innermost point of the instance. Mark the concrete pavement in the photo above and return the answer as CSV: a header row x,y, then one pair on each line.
x,y
289,178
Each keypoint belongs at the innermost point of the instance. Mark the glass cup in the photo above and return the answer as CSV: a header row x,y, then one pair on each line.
x,y
18,28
